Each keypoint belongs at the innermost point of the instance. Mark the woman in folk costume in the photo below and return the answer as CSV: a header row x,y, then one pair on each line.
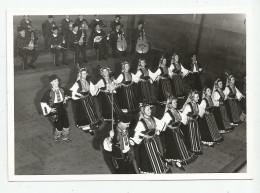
x,y
106,88
145,84
149,147
120,146
220,111
52,104
164,89
207,124
232,96
177,72
174,145
82,92
191,131
127,94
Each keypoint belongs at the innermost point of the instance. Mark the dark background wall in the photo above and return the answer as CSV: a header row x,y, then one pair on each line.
x,y
218,39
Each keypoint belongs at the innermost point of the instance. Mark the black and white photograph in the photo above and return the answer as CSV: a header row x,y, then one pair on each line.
x,y
127,93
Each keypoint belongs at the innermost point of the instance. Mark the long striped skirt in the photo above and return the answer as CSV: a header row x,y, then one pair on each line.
x,y
146,92
128,99
150,158
175,148
221,118
209,129
86,114
164,90
178,86
106,101
233,110
192,136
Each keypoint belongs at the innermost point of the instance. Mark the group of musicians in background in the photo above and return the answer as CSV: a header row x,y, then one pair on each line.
x,y
73,36
192,117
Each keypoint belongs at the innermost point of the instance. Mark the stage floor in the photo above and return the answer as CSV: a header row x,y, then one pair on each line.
x,y
37,154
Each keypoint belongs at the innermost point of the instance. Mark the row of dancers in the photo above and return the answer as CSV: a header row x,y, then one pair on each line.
x,y
177,137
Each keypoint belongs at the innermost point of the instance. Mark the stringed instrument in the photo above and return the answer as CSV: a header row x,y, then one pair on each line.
x,y
121,42
142,46
31,43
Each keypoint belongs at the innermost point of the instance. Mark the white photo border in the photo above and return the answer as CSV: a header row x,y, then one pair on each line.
x,y
109,177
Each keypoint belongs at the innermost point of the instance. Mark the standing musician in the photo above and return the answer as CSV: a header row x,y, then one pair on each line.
x,y
196,71
137,34
26,48
115,35
115,22
52,104
96,21
57,46
77,43
81,20
26,23
47,29
99,40
65,25
118,143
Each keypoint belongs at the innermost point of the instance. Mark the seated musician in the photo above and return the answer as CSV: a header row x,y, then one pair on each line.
x,y
26,23
99,40
76,38
96,21
114,39
57,47
26,48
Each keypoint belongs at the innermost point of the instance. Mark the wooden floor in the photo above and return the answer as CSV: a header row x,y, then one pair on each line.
x,y
37,153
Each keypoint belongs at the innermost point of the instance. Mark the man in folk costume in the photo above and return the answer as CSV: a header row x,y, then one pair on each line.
x,y
120,146
65,26
96,21
52,104
47,29
115,34
220,111
115,22
26,23
82,93
232,96
196,70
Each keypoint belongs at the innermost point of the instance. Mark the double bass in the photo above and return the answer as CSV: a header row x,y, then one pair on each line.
x,y
121,42
142,46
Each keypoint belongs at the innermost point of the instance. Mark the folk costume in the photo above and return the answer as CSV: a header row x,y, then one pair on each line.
x,y
127,92
55,99
118,143
232,96
174,142
220,111
207,123
47,30
196,69
150,153
82,93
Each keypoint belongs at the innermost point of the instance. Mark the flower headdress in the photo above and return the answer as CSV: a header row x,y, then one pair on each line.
x,y
80,71
123,65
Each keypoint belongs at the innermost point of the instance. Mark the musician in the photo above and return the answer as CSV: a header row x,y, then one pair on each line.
x,y
57,46
52,104
118,143
80,20
137,34
47,29
97,21
77,43
26,23
65,28
115,22
26,49
99,40
115,34
82,93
